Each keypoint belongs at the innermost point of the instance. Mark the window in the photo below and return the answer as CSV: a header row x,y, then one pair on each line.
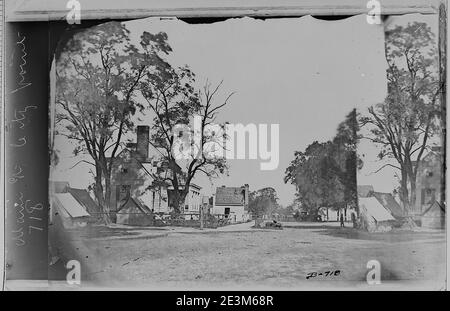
x,y
122,193
428,195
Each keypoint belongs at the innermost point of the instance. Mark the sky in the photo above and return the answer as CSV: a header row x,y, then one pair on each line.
x,y
302,73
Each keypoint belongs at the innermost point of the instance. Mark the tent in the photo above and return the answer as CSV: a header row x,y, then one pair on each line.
x,y
375,217
434,216
388,201
83,197
133,213
66,208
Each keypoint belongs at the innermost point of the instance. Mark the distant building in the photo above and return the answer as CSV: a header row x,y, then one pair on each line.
x,y
133,177
434,216
428,210
429,181
331,214
232,203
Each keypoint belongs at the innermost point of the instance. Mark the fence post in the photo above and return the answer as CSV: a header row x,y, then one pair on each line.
x,y
201,216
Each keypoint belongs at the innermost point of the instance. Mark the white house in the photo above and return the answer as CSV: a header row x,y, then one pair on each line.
x,y
232,203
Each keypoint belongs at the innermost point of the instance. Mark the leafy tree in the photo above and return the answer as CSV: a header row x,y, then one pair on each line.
x,y
325,173
288,210
313,174
346,161
98,73
405,122
263,201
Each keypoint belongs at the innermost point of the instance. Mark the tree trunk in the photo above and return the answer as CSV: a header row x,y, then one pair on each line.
x,y
99,192
178,196
175,194
108,197
412,183
404,194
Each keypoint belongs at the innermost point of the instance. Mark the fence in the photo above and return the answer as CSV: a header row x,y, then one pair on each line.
x,y
161,220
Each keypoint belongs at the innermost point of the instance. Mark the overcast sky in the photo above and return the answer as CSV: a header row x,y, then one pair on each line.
x,y
301,73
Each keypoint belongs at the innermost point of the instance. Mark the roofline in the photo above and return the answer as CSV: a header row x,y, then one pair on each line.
x,y
431,205
170,187
195,186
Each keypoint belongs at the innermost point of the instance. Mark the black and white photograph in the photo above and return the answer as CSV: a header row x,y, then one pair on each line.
x,y
265,146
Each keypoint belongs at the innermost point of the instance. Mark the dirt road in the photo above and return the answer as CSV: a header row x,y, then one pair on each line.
x,y
245,258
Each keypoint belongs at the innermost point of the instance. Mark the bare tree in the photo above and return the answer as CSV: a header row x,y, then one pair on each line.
x,y
175,102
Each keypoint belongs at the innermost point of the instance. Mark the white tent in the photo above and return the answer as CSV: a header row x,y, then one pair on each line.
x,y
375,209
374,214
70,205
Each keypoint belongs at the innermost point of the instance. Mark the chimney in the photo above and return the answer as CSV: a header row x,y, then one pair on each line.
x,y
143,135
246,193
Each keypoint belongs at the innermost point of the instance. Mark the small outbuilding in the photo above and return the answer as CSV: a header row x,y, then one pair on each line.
x,y
231,203
133,213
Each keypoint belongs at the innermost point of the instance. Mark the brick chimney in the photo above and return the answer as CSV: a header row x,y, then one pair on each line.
x,y
246,194
143,135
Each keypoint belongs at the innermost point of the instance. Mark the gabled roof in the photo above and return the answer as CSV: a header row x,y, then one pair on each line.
x,y
372,208
132,154
67,204
435,205
83,197
434,153
230,196
148,167
195,186
388,201
143,208
364,190
181,186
